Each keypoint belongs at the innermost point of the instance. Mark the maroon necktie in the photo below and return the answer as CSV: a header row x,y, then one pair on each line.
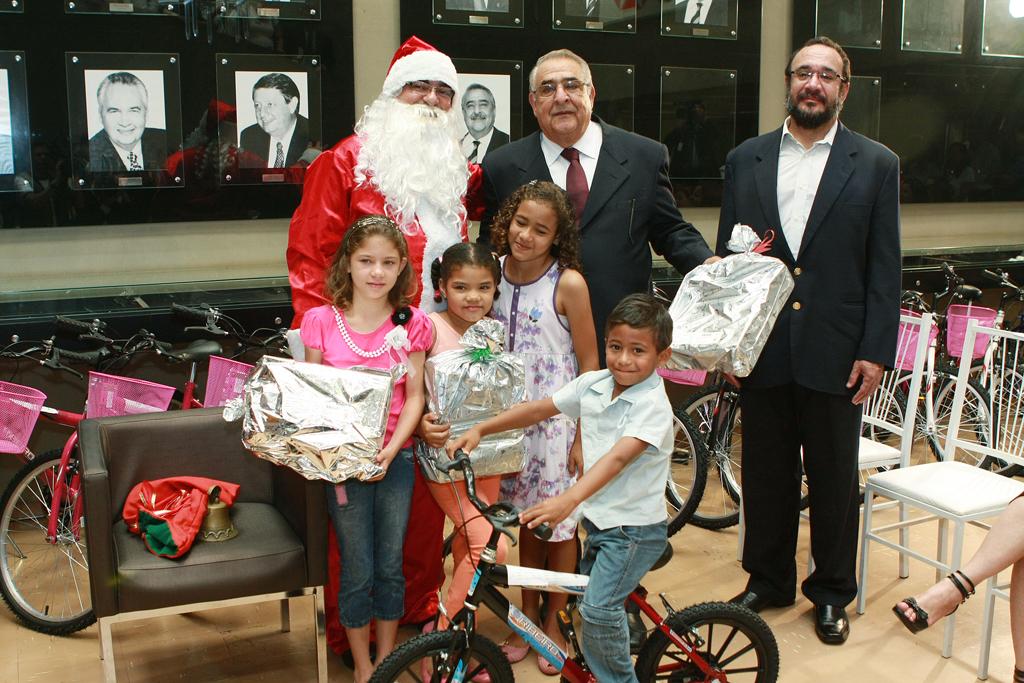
x,y
576,182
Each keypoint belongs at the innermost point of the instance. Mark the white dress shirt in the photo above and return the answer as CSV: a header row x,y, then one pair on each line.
x,y
285,140
691,16
485,142
589,147
800,173
124,155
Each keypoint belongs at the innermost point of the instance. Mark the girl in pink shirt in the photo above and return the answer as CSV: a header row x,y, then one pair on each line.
x,y
370,324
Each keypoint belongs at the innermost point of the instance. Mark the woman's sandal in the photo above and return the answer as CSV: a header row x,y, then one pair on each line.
x,y
1018,675
920,622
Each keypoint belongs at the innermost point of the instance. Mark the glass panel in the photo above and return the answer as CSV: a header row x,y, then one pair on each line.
x,y
15,139
505,13
615,87
122,6
11,5
862,109
1003,28
492,104
699,18
698,119
271,9
594,15
851,23
933,25
276,131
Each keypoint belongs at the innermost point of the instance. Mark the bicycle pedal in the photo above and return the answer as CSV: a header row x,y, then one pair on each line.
x,y
697,640
568,630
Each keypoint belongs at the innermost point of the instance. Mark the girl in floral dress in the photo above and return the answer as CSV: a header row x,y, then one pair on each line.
x,y
545,305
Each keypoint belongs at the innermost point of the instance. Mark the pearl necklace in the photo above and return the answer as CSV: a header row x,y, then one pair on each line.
x,y
376,353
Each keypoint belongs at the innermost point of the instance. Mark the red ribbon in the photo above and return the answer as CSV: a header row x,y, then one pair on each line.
x,y
765,244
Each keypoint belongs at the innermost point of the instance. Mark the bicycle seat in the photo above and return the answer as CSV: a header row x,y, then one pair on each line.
x,y
199,350
968,292
666,555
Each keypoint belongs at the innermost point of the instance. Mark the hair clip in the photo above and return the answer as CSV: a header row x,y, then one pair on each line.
x,y
438,297
401,315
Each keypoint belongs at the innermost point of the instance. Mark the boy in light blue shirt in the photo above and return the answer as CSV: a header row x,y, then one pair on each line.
x,y
626,422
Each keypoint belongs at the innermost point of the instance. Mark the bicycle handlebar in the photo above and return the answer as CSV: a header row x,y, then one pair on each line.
x,y
501,514
64,324
198,315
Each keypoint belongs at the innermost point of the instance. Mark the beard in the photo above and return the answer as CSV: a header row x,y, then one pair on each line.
x,y
411,153
806,119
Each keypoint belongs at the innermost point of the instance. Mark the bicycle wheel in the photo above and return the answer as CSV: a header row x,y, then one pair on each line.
x,y
975,419
736,643
1007,414
45,584
688,473
434,651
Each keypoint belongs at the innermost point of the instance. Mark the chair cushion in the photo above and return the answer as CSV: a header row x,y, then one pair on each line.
x,y
265,557
873,454
956,487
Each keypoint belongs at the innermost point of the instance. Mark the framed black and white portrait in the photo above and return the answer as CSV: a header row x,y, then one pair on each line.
x,y
490,100
614,16
851,23
16,6
615,84
505,13
141,7
308,10
933,26
125,119
698,119
276,131
1003,28
699,18
15,135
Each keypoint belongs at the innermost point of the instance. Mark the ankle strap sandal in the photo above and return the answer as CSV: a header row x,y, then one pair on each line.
x,y
1018,675
956,577
920,621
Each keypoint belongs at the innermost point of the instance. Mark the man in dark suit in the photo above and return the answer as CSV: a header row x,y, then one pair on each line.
x,y
617,181
280,134
709,12
125,144
478,112
831,199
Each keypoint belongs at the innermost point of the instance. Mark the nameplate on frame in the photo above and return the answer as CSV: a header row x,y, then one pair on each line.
x,y
594,25
701,32
129,181
477,19
273,177
122,7
268,12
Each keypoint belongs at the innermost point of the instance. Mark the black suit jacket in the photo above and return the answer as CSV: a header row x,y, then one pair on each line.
x,y
103,158
848,271
255,143
718,14
630,209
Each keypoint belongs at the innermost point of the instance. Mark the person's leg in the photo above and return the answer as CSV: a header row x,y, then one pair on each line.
x,y
771,491
391,517
561,558
1017,613
1003,545
830,433
470,536
616,559
532,553
350,505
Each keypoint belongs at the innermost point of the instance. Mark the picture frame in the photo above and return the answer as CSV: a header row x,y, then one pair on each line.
x,y
15,129
483,83
608,16
499,13
700,19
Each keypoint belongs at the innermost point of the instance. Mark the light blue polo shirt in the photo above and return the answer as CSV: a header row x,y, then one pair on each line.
x,y
636,496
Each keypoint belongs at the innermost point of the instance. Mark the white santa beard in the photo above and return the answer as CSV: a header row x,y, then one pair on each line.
x,y
438,238
411,154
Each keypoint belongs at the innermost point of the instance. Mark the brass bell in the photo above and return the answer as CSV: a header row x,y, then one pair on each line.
x,y
217,525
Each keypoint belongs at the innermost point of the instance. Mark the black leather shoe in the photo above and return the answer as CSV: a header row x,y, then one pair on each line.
x,y
637,629
831,624
756,603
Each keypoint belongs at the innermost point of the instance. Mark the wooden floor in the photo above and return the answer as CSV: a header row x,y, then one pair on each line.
x,y
245,644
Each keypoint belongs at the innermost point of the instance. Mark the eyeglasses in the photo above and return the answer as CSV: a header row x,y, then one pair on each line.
x,y
573,87
827,76
424,88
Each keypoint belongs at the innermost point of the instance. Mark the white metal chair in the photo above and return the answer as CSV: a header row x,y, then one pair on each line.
x,y
947,491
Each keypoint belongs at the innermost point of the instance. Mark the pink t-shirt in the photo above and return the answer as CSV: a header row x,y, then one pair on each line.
x,y
445,336
320,331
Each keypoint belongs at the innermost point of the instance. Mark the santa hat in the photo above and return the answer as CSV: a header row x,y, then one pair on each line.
x,y
418,60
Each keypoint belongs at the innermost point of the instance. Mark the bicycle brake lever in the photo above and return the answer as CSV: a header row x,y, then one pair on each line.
x,y
211,328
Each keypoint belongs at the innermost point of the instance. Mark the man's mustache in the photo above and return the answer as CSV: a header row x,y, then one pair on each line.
x,y
476,115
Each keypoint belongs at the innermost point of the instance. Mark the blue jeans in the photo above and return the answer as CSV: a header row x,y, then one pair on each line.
x,y
370,519
615,559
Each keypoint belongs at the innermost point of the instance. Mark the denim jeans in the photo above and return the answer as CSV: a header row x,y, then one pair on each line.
x,y
370,519
616,559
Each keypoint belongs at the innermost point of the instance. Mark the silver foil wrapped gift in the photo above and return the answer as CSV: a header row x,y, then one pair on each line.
x,y
469,385
723,312
323,422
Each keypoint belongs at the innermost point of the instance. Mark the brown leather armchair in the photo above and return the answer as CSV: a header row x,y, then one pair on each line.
x,y
280,550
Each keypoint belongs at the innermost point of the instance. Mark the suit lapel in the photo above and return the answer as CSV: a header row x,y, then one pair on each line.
x,y
766,177
534,166
610,173
837,171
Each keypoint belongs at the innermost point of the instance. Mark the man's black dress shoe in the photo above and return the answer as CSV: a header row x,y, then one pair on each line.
x,y
831,624
756,603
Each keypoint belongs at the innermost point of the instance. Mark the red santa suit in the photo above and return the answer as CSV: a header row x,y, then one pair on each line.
x,y
331,200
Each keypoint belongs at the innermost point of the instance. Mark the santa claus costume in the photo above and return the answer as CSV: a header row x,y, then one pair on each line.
x,y
404,162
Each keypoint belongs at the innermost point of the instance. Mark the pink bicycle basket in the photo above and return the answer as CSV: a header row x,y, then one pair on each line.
x,y
224,381
693,378
908,340
110,395
957,318
19,410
